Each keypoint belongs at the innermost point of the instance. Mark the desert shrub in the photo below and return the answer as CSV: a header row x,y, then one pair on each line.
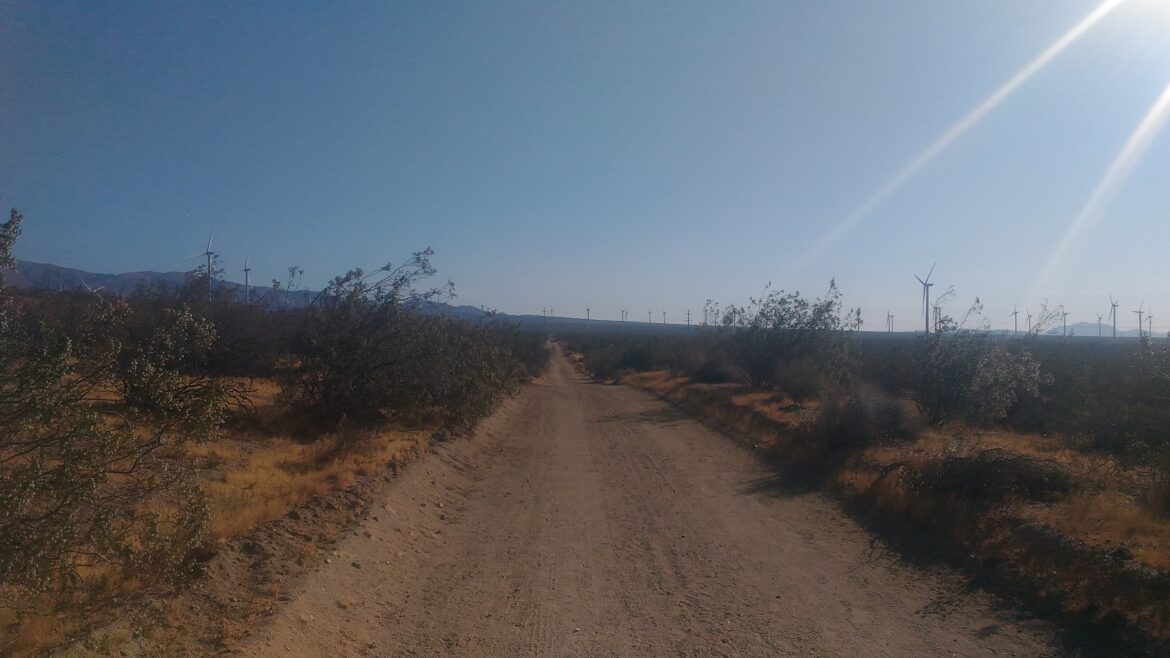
x,y
1156,496
799,378
609,355
472,369
786,335
152,370
991,476
885,415
716,369
367,353
85,483
838,425
848,420
604,361
252,339
529,351
973,378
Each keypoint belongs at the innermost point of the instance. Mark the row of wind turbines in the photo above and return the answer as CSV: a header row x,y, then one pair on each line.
x,y
209,255
1141,312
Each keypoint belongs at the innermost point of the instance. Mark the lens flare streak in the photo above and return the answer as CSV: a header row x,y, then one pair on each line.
x,y
1089,215
946,139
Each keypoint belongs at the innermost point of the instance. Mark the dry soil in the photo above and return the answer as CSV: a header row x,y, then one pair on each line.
x,y
592,520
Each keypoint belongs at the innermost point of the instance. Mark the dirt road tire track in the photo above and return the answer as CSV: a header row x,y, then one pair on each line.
x,y
589,520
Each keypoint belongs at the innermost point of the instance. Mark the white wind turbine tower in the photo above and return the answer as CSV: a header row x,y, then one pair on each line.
x,y
1140,312
1029,314
1113,304
926,284
889,321
247,282
1099,318
1016,318
1150,325
209,254
1063,320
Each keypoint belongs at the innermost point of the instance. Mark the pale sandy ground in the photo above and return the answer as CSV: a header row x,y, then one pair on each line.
x,y
590,520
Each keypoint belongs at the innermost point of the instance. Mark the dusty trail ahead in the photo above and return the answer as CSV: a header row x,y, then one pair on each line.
x,y
589,520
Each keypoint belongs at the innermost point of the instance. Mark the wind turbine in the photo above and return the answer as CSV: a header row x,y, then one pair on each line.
x,y
1029,313
1150,324
1140,312
209,254
1063,320
1113,304
926,298
937,316
1016,319
1099,317
889,321
247,283
92,291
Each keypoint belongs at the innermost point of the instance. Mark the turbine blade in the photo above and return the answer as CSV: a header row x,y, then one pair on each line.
x,y
209,236
931,271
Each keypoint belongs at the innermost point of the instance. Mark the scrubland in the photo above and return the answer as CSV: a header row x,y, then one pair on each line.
x,y
1037,462
143,434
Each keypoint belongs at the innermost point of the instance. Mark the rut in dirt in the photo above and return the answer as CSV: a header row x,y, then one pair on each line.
x,y
591,520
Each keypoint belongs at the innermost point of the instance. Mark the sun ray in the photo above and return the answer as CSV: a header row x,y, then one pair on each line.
x,y
954,132
1090,213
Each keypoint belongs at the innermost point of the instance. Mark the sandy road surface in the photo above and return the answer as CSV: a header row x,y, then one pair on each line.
x,y
589,520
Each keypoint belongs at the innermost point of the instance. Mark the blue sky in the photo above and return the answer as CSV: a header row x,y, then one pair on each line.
x,y
645,156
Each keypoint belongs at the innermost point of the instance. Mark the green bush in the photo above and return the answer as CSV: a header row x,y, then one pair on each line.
x,y
784,336
84,480
973,378
367,353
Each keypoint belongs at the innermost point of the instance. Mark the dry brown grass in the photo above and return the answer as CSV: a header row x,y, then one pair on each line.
x,y
1106,511
262,472
1109,519
259,480
1074,546
261,466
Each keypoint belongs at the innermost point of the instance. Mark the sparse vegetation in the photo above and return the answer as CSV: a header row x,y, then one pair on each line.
x,y
966,433
140,431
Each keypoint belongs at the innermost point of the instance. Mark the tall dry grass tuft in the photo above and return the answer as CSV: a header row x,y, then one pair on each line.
x,y
261,472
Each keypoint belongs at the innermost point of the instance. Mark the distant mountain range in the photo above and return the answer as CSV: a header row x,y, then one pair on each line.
x,y
46,276
1091,329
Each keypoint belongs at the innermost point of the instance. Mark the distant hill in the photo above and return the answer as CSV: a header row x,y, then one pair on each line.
x,y
46,276
1091,329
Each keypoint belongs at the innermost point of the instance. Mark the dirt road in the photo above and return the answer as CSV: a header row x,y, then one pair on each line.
x,y
590,520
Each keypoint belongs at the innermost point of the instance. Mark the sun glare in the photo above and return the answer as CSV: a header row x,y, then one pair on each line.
x,y
1159,8
954,132
1129,156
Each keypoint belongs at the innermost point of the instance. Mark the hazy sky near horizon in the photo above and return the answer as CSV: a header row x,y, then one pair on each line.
x,y
638,155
